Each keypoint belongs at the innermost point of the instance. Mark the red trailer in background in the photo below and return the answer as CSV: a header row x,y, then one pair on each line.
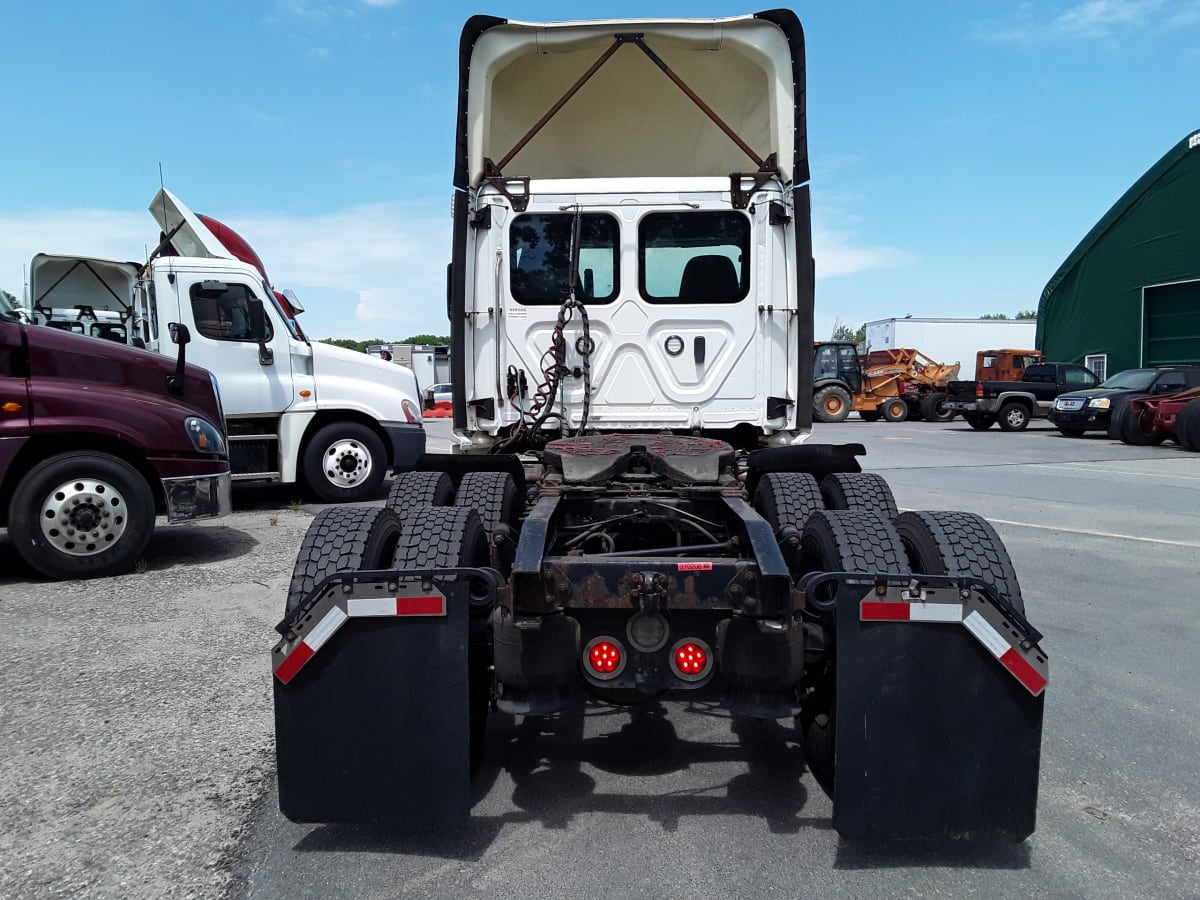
x,y
1151,420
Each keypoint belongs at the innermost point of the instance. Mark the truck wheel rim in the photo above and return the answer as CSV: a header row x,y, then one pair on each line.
x,y
83,517
347,463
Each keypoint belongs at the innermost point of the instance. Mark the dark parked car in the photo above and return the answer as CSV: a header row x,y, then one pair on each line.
x,y
1092,409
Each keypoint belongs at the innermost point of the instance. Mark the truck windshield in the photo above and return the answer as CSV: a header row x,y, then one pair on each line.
x,y
1131,380
694,257
540,258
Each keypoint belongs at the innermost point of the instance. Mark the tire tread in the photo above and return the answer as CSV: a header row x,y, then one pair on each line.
x,y
342,538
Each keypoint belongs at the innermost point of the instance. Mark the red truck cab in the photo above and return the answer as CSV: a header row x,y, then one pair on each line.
x,y
96,440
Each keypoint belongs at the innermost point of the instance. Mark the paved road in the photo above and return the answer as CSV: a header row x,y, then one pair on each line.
x,y
676,800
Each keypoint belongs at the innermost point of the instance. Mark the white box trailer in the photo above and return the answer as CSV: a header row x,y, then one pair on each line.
x,y
952,340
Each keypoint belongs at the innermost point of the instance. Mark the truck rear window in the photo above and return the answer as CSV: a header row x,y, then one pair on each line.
x,y
540,258
694,257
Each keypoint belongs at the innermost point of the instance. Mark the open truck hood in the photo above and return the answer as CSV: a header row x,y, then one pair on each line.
x,y
67,282
629,119
193,237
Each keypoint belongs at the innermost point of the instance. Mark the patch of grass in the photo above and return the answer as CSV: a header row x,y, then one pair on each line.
x,y
141,567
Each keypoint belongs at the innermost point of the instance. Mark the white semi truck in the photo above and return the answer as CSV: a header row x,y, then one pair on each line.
x,y
296,410
638,515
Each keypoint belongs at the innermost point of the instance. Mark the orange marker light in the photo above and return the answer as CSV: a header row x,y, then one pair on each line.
x,y
306,393
11,407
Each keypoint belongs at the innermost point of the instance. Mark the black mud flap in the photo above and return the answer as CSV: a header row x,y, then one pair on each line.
x,y
371,699
938,722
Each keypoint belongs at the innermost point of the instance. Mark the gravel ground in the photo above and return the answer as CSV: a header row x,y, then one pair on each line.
x,y
135,730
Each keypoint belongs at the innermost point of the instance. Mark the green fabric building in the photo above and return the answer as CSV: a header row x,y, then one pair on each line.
x,y
1129,294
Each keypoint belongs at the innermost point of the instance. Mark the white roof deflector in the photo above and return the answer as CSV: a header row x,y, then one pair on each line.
x,y
189,236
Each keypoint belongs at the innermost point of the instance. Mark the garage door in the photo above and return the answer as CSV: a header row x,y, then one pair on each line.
x,y
1171,332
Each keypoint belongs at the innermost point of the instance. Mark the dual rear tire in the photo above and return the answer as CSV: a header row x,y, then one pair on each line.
x,y
864,540
419,529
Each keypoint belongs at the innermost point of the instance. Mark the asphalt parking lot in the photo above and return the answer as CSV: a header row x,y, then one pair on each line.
x,y
137,733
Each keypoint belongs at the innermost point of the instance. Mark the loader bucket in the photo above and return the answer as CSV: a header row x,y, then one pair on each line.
x,y
939,699
372,700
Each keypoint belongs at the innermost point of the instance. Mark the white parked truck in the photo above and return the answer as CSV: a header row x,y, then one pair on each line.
x,y
296,410
639,517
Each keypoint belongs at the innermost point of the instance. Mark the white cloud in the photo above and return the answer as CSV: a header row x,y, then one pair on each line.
x,y
379,269
1099,18
837,254
1090,20
98,233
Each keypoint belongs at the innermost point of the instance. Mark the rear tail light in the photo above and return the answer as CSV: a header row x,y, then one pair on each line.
x,y
691,659
411,412
604,658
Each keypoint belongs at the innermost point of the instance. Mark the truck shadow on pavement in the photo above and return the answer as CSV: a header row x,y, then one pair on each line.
x,y
178,545
185,545
544,760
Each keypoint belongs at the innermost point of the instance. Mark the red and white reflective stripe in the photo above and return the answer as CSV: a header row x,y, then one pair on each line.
x,y
412,605
1005,652
880,611
356,607
313,641
996,643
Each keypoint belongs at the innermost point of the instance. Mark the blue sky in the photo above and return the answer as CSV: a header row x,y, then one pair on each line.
x,y
960,150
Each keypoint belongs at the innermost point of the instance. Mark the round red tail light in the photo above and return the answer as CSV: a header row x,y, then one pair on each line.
x,y
691,659
604,658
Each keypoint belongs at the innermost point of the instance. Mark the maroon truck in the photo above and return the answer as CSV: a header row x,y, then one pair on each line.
x,y
96,440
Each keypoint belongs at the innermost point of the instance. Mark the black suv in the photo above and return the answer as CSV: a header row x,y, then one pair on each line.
x,y
1091,410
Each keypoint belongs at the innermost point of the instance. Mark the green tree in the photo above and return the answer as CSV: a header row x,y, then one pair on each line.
x,y
1027,314
994,316
843,332
425,339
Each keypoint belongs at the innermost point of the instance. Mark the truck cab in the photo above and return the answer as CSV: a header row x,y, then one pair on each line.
x,y
96,440
297,410
601,280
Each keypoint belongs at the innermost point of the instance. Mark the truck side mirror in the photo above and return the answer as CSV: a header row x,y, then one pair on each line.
x,y
258,331
181,337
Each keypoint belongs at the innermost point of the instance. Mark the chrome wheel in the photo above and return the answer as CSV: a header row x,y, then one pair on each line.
x,y
346,463
83,516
